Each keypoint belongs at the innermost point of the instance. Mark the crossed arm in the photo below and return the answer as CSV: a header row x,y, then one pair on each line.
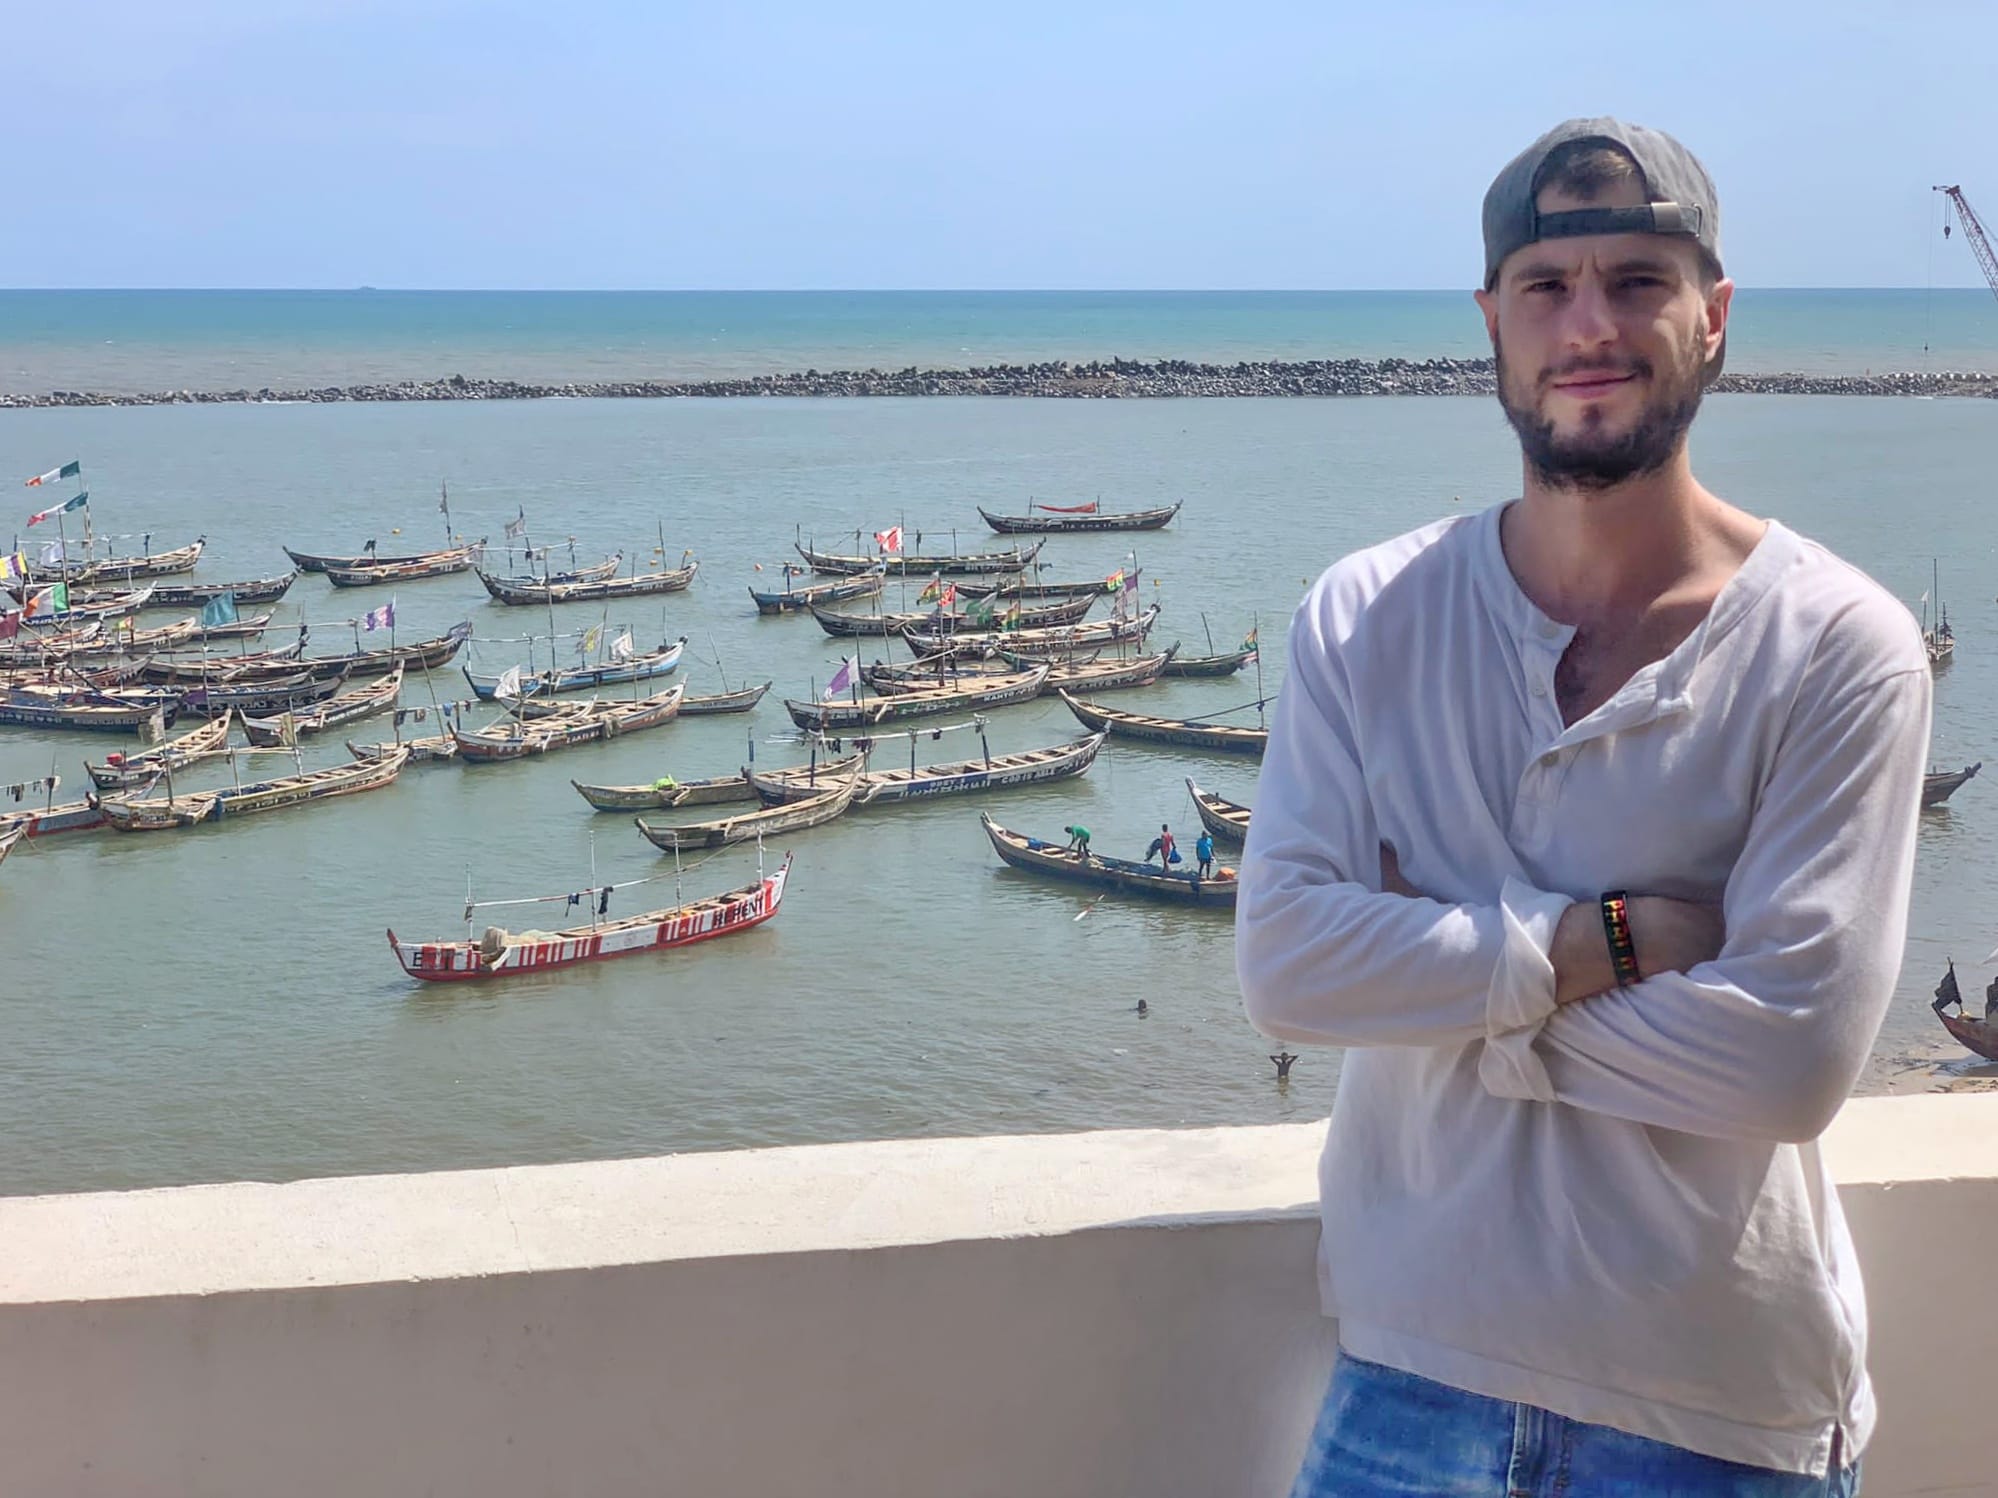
x,y
1752,1020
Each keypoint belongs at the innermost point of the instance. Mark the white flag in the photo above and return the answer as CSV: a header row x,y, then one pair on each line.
x,y
621,648
509,684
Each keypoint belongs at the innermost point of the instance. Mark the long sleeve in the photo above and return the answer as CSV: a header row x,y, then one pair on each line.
x,y
1766,1041
1322,956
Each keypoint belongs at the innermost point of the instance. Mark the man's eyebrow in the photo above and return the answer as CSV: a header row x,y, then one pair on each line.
x,y
1540,270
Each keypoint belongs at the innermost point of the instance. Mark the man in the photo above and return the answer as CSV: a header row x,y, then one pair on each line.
x,y
1606,900
1203,853
1163,846
1078,841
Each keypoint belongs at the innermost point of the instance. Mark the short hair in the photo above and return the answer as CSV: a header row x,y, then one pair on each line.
x,y
1587,169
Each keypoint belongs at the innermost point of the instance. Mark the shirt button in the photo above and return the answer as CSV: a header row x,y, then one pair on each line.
x,y
1548,629
1539,689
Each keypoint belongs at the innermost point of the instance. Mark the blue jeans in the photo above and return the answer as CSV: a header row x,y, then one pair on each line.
x,y
1386,1432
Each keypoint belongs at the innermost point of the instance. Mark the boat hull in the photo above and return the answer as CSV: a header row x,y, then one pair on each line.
x,y
968,777
1051,525
704,920
1178,732
1052,861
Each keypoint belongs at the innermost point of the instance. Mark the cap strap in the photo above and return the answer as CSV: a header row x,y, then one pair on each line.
x,y
1650,218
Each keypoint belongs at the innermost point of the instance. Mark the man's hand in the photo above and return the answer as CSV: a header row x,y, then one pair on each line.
x,y
1671,936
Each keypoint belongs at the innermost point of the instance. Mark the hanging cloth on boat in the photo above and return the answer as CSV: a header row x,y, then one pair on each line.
x,y
603,900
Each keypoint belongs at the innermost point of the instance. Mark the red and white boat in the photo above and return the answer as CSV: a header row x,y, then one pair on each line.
x,y
501,953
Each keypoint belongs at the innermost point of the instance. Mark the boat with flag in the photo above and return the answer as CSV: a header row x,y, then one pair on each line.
x,y
832,716
87,571
368,556
622,666
986,613
1122,875
262,699
501,953
1017,587
893,785
1066,640
1043,519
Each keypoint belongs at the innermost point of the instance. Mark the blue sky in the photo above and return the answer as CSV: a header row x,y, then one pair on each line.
x,y
622,144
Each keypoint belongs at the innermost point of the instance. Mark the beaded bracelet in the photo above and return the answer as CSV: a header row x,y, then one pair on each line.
x,y
1622,950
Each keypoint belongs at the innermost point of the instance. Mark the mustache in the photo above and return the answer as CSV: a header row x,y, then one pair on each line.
x,y
1615,368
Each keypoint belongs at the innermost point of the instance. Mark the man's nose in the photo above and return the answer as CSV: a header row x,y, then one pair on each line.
x,y
1587,322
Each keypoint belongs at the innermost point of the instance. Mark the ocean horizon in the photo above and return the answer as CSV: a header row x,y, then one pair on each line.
x,y
124,341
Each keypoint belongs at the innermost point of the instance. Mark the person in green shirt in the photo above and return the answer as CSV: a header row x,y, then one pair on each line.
x,y
1078,842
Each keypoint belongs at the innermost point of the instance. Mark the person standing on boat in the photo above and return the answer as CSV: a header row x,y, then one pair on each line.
x,y
1606,902
1078,841
1203,851
1163,846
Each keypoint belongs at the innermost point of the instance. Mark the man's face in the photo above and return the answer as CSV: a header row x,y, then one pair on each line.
x,y
1601,341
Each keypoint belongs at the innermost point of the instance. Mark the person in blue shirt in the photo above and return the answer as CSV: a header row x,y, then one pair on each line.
x,y
1203,850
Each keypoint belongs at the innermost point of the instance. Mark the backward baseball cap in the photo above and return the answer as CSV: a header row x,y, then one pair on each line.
x,y
1682,201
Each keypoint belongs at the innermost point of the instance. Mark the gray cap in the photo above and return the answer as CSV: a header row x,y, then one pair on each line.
x,y
1682,196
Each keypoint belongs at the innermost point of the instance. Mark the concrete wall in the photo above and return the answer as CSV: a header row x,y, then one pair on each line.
x,y
1096,1314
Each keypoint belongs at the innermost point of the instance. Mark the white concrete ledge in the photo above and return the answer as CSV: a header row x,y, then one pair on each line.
x,y
1092,1314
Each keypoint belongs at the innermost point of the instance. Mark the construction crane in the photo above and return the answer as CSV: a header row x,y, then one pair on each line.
x,y
1973,230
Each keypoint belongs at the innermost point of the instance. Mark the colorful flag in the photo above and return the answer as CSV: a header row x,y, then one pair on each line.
x,y
67,471
981,610
518,524
1011,619
509,684
1114,581
621,648
592,637
75,502
381,618
459,633
949,596
49,601
932,590
1249,643
218,611
13,567
890,540
842,679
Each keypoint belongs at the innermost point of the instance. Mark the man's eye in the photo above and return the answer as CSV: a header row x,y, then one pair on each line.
x,y
1636,283
1543,286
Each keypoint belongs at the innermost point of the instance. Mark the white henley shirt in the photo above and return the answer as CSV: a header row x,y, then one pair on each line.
x,y
1612,1209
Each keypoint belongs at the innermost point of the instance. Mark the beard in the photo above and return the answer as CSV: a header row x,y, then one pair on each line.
x,y
1592,459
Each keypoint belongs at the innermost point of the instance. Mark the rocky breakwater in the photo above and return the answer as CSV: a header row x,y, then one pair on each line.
x,y
1114,379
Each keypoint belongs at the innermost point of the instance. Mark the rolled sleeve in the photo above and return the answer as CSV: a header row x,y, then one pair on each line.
x,y
1521,998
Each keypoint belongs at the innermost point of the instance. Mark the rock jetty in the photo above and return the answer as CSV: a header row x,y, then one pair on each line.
x,y
1114,379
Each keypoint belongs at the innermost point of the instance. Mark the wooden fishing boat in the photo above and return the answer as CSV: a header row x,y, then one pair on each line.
x,y
1227,820
932,622
501,953
951,565
334,712
121,772
722,790
1097,676
1052,860
516,592
312,561
1209,665
1061,641
1979,1035
1018,587
794,816
995,772
427,749
194,595
115,711
789,600
419,655
653,663
248,800
8,838
1000,691
1079,518
1939,785
589,573
941,670
511,738
57,817
261,699
124,569
441,565
232,670
106,606
248,627
742,700
1185,733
